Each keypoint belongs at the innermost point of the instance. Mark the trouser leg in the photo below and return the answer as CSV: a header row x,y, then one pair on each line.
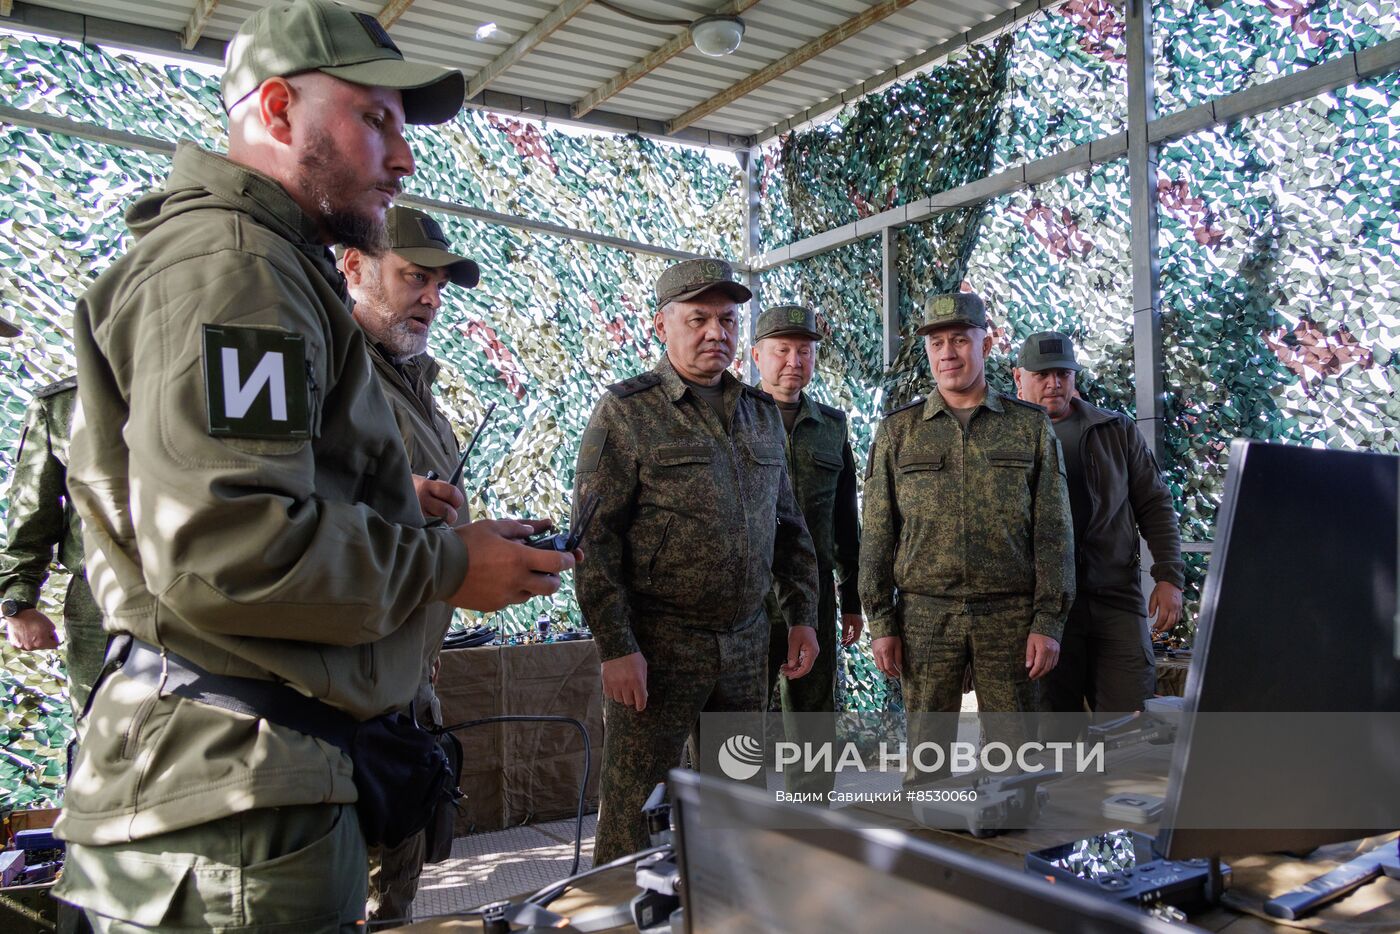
x,y
288,869
1124,671
1006,696
936,652
393,882
640,747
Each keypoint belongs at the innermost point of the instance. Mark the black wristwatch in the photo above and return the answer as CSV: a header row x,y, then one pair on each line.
x,y
10,607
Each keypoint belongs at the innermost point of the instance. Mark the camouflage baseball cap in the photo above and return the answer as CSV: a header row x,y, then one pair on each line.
x,y
954,308
1047,350
787,319
694,277
288,38
8,329
419,239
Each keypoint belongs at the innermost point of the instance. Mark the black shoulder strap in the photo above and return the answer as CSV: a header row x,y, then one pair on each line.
x,y
908,405
634,385
253,697
53,389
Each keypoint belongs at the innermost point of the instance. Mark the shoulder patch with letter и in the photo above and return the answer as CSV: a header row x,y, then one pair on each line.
x,y
255,383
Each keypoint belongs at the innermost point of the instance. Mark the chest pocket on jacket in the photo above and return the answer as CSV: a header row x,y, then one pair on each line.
x,y
678,455
765,453
828,460
918,461
1014,459
1011,477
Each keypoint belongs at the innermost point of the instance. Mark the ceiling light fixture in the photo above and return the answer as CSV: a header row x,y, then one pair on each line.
x,y
716,35
485,31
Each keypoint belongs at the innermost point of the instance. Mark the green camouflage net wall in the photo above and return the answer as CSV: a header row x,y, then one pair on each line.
x,y
1278,234
553,322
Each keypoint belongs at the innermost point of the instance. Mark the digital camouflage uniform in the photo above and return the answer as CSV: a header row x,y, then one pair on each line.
x,y
694,524
822,470
41,519
967,550
247,504
432,446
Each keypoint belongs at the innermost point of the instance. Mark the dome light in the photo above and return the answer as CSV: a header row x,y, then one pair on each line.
x,y
717,35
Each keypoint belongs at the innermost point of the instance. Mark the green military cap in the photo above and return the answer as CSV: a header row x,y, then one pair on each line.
x,y
954,308
419,239
1047,350
787,319
288,38
694,277
8,329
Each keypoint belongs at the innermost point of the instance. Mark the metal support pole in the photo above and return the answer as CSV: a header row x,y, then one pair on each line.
x,y
749,163
1142,213
1142,190
889,294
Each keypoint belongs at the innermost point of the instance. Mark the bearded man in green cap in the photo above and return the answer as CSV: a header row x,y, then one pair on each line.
x,y
397,297
823,473
250,521
968,556
695,522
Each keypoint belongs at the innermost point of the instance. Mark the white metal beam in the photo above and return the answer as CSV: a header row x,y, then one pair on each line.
x,y
523,46
1148,380
889,294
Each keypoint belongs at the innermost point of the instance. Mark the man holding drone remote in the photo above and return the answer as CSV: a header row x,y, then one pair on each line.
x,y
397,295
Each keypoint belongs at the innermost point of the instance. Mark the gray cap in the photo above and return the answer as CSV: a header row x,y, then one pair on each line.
x,y
691,278
782,320
419,239
1047,350
964,308
285,39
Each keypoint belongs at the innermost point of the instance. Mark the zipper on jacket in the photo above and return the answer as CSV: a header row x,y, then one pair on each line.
x,y
314,391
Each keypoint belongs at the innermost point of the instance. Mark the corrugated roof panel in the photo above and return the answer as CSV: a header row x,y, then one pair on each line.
x,y
598,44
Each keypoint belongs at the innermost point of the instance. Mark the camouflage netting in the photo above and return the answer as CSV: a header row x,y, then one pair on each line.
x,y
553,322
1278,253
1278,234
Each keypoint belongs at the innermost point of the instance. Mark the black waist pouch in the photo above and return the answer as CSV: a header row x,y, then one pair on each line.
x,y
402,774
441,827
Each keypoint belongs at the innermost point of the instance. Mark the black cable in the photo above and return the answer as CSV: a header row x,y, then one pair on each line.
x,y
633,14
587,761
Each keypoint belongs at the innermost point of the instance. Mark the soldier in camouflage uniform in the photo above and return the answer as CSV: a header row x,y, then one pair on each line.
x,y
823,474
696,519
968,554
396,297
41,519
